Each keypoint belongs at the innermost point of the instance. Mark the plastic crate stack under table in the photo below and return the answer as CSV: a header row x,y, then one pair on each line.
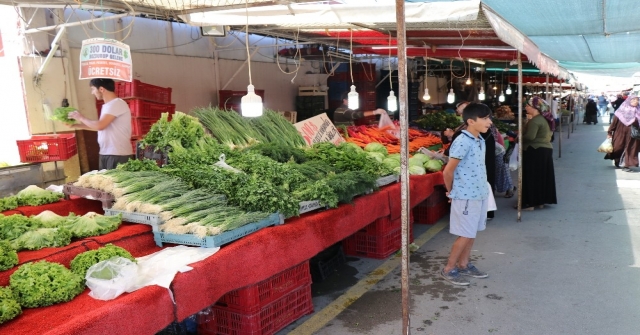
x,y
434,208
378,240
263,308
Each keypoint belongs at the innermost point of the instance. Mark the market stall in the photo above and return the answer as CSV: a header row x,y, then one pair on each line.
x,y
244,262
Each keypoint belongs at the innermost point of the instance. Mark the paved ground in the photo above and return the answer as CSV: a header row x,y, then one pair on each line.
x,y
572,268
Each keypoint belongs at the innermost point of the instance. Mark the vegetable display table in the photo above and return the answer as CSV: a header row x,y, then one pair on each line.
x,y
244,262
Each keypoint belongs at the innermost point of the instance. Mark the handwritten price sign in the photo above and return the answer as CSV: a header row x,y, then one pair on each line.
x,y
319,129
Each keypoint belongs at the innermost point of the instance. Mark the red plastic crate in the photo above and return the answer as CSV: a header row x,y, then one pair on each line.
x,y
439,195
47,148
269,320
375,246
430,214
143,109
140,127
140,90
252,298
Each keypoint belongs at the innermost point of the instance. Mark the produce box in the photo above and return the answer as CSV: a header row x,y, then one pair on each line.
x,y
430,214
135,217
378,246
253,298
47,148
308,206
140,90
390,179
269,320
107,199
326,262
218,240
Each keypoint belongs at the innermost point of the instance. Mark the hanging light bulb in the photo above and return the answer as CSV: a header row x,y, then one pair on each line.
x,y
352,98
508,89
468,82
481,95
501,97
426,96
392,102
451,97
495,87
251,103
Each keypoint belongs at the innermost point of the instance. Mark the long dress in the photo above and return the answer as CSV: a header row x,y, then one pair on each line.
x,y
623,144
538,176
591,113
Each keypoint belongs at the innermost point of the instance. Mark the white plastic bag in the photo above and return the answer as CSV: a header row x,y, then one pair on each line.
x,y
109,279
434,155
492,201
513,160
499,149
221,164
385,121
606,146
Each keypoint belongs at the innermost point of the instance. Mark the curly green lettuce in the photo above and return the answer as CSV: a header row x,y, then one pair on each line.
x,y
8,256
44,283
42,238
9,307
81,263
62,114
92,224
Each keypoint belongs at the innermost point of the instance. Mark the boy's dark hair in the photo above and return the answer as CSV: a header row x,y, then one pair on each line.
x,y
474,111
107,84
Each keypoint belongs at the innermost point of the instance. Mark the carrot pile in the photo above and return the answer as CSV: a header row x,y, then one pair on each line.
x,y
363,135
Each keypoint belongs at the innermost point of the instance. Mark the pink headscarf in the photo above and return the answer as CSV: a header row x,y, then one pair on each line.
x,y
626,113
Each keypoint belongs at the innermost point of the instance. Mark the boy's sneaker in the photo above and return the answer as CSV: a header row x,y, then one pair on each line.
x,y
454,277
472,271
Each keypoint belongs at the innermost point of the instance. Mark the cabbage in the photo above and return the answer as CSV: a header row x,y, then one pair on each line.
x,y
433,165
424,158
50,219
376,147
395,157
391,163
42,238
93,224
413,161
351,146
376,155
396,170
417,170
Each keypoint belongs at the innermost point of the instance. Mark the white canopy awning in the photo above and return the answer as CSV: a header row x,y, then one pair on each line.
x,y
303,14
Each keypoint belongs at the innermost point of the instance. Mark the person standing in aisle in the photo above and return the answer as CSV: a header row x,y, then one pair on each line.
x,y
113,126
465,178
345,116
538,176
616,104
602,104
625,148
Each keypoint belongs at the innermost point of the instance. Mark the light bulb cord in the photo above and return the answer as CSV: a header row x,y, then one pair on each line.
x,y
246,39
390,71
351,53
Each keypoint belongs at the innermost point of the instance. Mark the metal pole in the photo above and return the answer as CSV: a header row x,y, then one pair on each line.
x,y
520,137
560,133
404,153
546,91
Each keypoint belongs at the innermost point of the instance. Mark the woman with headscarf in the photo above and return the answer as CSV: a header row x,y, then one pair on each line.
x,y
625,148
591,112
538,177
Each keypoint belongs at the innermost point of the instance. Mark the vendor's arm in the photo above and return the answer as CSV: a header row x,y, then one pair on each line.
x,y
92,124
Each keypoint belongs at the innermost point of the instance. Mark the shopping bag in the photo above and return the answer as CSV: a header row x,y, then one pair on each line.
x,y
385,121
491,200
513,160
606,146
109,279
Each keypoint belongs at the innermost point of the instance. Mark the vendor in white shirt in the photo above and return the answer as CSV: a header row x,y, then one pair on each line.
x,y
113,127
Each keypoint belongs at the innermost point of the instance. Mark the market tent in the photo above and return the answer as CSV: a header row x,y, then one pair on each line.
x,y
584,36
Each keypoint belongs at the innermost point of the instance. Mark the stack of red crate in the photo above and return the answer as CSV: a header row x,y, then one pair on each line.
x,y
146,102
263,308
378,240
434,208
